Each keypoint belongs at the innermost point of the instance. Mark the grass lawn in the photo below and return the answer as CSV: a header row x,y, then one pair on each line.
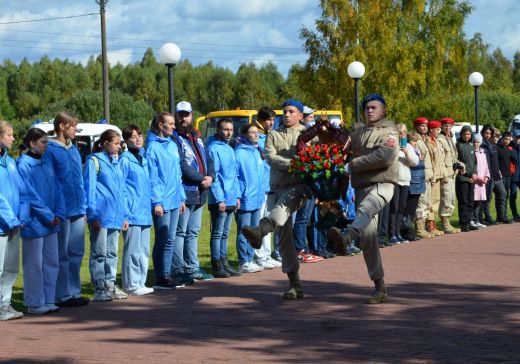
x,y
203,249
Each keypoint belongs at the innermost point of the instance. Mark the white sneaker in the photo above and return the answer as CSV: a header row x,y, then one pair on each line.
x,y
6,314
274,262
38,310
250,267
52,307
264,263
141,291
480,225
117,293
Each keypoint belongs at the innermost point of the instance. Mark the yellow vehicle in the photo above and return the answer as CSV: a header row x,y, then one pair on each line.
x,y
207,125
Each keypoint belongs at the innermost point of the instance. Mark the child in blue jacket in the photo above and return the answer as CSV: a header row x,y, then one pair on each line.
x,y
66,161
14,211
106,214
136,250
40,234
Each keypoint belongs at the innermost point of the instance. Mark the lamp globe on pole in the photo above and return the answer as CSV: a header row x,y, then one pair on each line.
x,y
170,55
476,79
356,70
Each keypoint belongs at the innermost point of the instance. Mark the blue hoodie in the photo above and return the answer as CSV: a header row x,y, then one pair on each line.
x,y
14,201
138,194
66,161
105,192
46,198
165,172
225,186
252,176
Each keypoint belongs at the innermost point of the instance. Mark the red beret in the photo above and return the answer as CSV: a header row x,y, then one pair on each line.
x,y
447,120
434,124
421,120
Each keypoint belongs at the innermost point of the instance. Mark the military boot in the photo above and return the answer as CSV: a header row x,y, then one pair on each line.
x,y
296,290
446,226
420,231
254,235
379,295
218,269
341,240
432,229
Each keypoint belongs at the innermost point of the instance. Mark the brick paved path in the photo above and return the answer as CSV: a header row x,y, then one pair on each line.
x,y
453,299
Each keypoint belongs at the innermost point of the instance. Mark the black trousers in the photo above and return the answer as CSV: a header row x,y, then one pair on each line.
x,y
465,192
397,209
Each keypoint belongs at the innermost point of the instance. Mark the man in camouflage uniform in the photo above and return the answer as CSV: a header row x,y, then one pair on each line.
x,y
448,184
374,172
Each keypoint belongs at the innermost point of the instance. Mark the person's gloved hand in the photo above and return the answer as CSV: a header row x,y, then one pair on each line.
x,y
335,123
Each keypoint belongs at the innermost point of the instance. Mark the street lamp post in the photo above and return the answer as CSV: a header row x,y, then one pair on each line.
x,y
356,70
476,79
169,55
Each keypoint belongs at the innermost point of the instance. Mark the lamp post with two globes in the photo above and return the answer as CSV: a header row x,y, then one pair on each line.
x,y
476,79
356,70
169,55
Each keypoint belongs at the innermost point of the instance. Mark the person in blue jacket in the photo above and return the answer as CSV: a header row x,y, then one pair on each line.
x,y
14,212
167,196
198,174
252,176
40,234
223,197
106,214
136,250
66,161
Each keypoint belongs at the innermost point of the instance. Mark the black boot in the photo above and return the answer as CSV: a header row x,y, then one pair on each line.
x,y
296,290
255,235
227,267
379,295
218,269
341,241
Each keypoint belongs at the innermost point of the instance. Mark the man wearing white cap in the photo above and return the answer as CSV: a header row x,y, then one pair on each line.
x,y
197,175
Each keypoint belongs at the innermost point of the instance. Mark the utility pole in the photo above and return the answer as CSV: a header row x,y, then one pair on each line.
x,y
104,60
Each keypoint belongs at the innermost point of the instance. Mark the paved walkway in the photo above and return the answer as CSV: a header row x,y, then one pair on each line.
x,y
454,299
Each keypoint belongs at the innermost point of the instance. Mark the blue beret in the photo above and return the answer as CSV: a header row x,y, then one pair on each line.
x,y
292,102
373,97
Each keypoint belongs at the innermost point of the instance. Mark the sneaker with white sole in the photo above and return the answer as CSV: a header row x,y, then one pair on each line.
x,y
52,307
6,314
141,291
264,263
40,310
118,293
275,263
250,267
18,314
101,295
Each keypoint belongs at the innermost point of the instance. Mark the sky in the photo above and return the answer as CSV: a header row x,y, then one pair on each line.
x,y
226,32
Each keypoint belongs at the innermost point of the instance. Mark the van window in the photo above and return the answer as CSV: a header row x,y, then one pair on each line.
x,y
238,123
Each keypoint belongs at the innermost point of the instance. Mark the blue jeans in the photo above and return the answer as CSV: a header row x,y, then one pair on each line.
x,y
136,252
220,225
71,248
103,255
9,265
40,270
185,258
165,231
245,251
301,221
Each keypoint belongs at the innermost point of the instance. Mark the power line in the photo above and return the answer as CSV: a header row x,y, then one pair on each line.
x,y
142,47
152,41
47,19
135,53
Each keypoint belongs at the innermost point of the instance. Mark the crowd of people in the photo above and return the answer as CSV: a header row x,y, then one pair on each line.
x,y
401,184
